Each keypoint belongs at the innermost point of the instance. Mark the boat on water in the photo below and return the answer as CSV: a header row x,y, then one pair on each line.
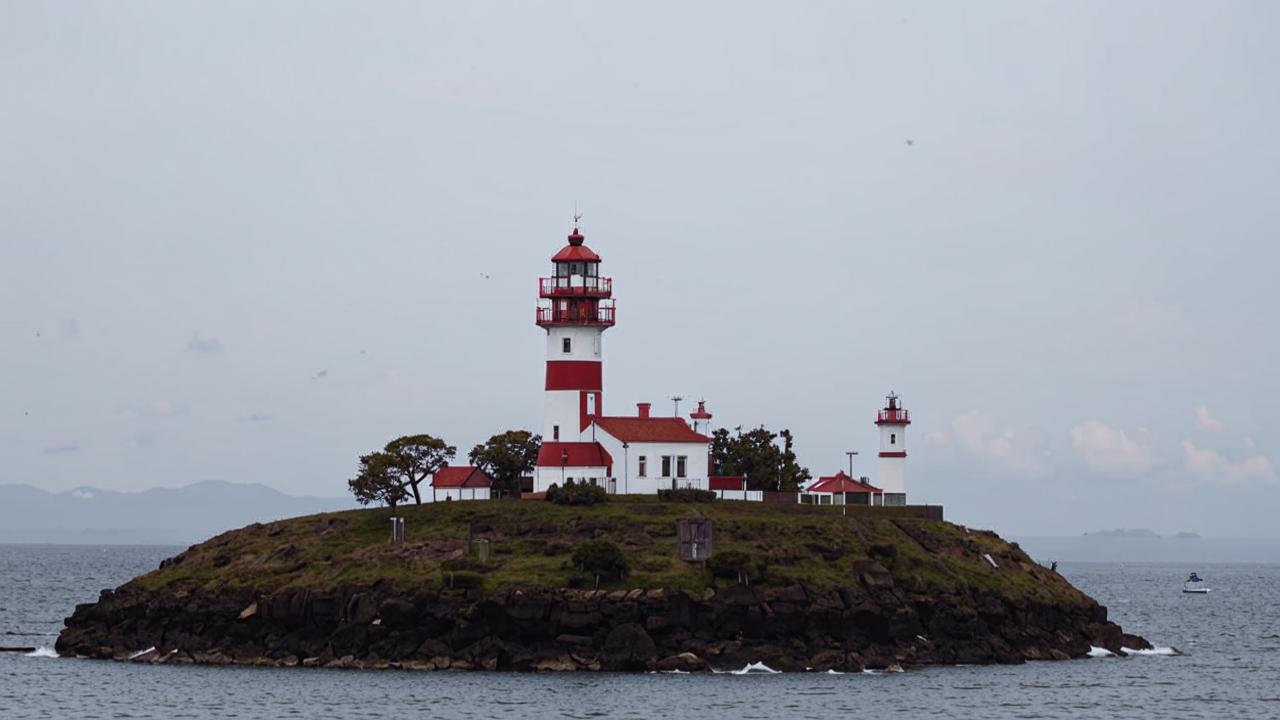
x,y
1195,585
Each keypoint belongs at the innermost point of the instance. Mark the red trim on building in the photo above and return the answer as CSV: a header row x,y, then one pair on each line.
x,y
900,453
893,416
727,482
650,429
574,455
575,375
461,476
585,417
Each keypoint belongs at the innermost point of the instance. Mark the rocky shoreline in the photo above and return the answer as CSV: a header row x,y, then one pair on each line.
x,y
870,624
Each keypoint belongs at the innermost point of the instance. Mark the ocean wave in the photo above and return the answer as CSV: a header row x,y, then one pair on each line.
x,y
140,653
42,652
1158,650
1096,651
755,668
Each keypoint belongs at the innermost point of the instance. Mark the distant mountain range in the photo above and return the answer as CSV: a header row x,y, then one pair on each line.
x,y
160,516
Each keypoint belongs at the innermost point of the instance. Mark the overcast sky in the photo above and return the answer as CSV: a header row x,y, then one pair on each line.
x,y
250,241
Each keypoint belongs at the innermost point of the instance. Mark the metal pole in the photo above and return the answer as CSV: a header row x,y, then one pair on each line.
x,y
851,453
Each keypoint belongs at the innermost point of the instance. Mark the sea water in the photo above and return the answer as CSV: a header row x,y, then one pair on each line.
x,y
1230,667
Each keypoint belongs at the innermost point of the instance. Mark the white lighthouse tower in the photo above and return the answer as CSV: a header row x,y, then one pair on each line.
x,y
575,307
893,420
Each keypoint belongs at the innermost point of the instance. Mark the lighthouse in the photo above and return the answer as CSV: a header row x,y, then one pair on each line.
x,y
893,420
575,307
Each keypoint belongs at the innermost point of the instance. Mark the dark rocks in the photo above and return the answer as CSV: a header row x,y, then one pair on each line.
x,y
870,623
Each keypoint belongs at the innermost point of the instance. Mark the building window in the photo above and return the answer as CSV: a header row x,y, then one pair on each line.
x,y
681,462
567,344
893,438
591,403
555,432
643,466
666,466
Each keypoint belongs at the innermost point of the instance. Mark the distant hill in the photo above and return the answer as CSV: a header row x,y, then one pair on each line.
x,y
160,516
1141,533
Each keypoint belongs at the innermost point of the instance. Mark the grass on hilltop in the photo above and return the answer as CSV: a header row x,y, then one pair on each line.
x,y
532,543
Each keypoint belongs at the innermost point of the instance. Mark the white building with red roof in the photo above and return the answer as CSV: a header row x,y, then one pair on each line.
x,y
461,482
840,489
653,453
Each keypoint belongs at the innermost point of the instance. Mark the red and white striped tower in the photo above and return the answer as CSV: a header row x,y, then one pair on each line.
x,y
893,420
575,307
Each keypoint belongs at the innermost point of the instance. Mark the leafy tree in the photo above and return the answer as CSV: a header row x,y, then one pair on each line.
x,y
756,455
378,481
506,458
416,458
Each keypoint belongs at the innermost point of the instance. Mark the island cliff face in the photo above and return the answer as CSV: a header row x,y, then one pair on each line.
x,y
827,592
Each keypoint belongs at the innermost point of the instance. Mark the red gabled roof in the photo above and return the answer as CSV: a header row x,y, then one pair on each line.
x,y
462,476
651,429
841,483
580,454
726,482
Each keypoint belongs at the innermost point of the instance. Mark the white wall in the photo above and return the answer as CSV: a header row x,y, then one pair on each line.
x,y
545,477
628,475
893,438
563,408
442,494
584,343
893,475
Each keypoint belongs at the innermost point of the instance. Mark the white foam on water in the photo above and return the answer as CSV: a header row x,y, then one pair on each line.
x,y
834,672
1158,650
42,652
756,667
1096,651
140,653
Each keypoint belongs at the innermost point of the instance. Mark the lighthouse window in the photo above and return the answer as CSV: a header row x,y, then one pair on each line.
x,y
644,466
567,344
893,437
681,462
555,432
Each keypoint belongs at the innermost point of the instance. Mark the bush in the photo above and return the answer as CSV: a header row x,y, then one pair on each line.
x,y
601,558
463,580
733,564
686,495
577,493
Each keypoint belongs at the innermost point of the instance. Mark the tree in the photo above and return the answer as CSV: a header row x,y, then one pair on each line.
x,y
506,458
416,458
378,481
756,455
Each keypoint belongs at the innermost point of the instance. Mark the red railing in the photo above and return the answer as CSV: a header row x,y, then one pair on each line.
x,y
573,316
893,416
575,286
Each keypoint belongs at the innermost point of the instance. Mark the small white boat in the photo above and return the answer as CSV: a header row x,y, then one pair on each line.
x,y
1195,585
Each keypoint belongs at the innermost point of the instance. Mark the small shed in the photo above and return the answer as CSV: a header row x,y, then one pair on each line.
x,y
840,489
464,482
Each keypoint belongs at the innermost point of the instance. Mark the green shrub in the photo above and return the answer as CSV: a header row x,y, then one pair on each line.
x,y
577,493
686,495
601,558
732,564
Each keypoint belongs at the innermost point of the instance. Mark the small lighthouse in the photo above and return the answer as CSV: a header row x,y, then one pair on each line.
x,y
893,420
575,307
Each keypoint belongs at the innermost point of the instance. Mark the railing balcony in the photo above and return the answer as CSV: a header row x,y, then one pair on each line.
x,y
575,286
603,316
893,417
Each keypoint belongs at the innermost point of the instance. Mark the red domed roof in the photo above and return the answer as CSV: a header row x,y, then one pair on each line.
x,y
575,251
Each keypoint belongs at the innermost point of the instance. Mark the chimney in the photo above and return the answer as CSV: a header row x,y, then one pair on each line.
x,y
643,409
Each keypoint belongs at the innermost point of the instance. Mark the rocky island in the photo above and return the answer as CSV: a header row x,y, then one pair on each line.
x,y
512,585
